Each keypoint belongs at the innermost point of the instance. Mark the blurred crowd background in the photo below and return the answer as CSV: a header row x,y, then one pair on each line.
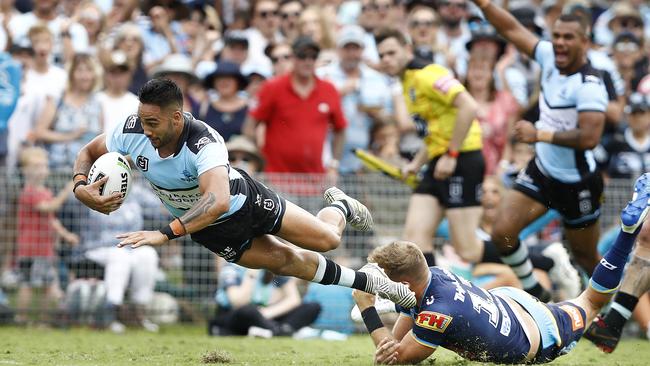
x,y
71,69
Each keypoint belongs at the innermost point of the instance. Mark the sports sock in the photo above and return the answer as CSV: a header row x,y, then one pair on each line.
x,y
431,260
343,207
330,273
607,274
621,310
538,260
520,263
490,253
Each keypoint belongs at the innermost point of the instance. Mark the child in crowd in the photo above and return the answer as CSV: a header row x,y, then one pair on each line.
x,y
37,232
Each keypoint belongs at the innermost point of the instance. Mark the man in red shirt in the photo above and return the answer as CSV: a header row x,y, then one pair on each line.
x,y
297,111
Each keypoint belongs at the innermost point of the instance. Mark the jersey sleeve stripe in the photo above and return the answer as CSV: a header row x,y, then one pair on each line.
x,y
423,342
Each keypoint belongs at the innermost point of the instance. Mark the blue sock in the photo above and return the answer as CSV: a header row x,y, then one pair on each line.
x,y
609,271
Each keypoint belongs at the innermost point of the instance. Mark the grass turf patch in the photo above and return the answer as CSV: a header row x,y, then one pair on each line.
x,y
190,345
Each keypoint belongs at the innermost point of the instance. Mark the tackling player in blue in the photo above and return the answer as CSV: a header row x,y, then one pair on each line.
x,y
223,208
503,325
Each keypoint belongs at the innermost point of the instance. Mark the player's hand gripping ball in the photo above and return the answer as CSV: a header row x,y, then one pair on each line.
x,y
114,166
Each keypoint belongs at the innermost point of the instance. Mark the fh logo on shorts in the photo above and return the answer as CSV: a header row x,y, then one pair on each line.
x,y
433,321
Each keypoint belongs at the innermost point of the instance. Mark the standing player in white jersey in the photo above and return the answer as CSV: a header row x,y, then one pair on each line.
x,y
563,174
222,208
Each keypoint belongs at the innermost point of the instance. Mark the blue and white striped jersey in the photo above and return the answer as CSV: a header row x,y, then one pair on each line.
x,y
175,179
563,98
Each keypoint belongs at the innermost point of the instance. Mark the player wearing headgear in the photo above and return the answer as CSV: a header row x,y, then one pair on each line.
x,y
563,175
222,208
502,325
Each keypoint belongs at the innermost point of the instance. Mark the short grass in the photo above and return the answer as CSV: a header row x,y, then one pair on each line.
x,y
191,346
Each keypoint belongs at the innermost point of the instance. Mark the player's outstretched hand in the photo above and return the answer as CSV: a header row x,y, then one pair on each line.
x,y
89,196
445,167
386,353
140,238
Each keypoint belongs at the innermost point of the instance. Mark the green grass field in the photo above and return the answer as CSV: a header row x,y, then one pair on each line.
x,y
191,346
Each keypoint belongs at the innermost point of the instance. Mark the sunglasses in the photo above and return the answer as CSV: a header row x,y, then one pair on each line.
x,y
244,158
627,22
267,13
286,16
422,23
285,57
626,47
461,6
307,55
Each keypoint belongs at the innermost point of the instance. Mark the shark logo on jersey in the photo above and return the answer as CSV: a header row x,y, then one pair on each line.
x,y
142,163
433,321
202,142
187,176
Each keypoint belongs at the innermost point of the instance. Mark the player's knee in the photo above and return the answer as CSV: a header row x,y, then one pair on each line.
x,y
503,236
330,241
290,263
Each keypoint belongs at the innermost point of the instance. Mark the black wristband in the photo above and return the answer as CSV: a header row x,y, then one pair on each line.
x,y
77,174
371,319
79,183
167,231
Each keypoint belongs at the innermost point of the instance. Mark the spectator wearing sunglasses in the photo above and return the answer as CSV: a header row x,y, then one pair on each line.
x,y
301,108
631,15
628,153
365,95
281,57
627,53
265,29
243,154
423,27
290,11
454,33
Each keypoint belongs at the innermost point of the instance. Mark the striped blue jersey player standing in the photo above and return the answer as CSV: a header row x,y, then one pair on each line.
x,y
223,208
563,174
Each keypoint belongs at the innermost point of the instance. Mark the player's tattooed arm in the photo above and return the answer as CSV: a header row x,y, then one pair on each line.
x,y
214,202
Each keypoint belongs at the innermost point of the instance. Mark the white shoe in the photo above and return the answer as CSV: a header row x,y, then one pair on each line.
x,y
380,284
260,332
150,326
383,306
117,327
563,274
359,216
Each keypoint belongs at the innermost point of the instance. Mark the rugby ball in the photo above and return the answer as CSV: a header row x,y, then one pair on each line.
x,y
114,166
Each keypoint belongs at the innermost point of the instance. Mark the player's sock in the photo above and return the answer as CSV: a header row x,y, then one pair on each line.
x,y
491,255
431,259
330,273
520,263
621,310
342,206
607,274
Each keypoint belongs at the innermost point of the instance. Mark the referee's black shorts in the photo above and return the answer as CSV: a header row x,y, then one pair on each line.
x,y
462,188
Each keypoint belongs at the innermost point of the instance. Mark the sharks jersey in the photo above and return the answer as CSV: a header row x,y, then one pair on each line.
x,y
175,178
468,320
562,98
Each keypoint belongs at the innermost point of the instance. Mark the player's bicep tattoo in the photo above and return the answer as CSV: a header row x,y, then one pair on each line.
x,y
200,208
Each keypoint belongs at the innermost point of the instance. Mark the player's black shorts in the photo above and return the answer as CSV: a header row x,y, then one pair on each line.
x,y
570,320
578,203
463,188
261,214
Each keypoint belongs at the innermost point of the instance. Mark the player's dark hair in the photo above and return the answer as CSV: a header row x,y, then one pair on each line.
x,y
386,33
161,92
571,18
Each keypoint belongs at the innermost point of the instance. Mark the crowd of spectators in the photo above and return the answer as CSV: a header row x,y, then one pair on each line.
x,y
293,86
